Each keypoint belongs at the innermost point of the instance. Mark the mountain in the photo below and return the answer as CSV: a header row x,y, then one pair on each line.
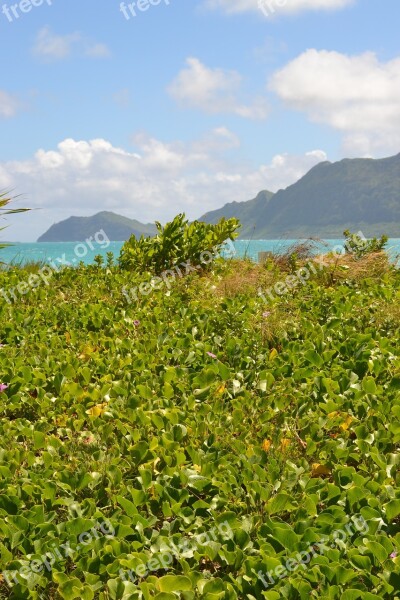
x,y
247,212
78,229
356,194
361,194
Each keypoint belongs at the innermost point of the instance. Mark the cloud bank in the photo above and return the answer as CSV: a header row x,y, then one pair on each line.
x,y
275,6
156,182
356,95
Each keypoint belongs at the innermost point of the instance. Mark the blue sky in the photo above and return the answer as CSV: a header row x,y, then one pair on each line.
x,y
189,104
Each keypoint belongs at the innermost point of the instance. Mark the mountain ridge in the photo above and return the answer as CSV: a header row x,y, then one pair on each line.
x,y
360,194
117,227
357,194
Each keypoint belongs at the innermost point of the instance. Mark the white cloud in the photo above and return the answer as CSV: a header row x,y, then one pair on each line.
x,y
275,7
357,95
213,91
98,51
157,182
51,46
8,105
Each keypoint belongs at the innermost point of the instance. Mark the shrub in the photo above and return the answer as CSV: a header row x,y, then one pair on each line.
x,y
179,241
357,245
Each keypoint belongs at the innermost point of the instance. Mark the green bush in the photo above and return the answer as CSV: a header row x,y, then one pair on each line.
x,y
178,242
359,246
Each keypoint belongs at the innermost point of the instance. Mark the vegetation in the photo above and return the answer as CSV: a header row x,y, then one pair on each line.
x,y
5,200
202,410
178,242
360,247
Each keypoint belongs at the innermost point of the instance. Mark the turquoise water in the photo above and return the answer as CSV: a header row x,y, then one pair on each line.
x,y
73,253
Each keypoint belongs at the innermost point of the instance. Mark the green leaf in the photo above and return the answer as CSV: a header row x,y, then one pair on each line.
x,y
174,583
39,440
314,358
369,385
352,594
128,506
377,550
279,503
286,537
392,509
361,562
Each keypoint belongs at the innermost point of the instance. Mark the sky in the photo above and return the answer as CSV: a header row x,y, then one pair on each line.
x,y
155,107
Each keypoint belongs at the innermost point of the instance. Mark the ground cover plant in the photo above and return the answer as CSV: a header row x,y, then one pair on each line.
x,y
198,443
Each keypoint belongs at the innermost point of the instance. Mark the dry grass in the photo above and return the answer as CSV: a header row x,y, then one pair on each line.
x,y
298,253
243,277
387,314
347,267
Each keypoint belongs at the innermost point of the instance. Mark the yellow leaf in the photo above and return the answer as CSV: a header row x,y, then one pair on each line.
x,y
285,443
67,337
87,350
221,389
319,470
97,411
273,354
346,423
332,415
266,445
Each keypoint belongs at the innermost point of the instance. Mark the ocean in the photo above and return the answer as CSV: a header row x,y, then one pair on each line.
x,y
72,252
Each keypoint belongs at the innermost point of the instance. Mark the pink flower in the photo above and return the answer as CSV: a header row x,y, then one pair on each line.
x,y
393,555
136,323
266,314
3,387
211,354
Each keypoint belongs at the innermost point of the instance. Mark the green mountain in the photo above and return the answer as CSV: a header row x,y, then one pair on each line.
x,y
247,212
355,194
360,194
77,229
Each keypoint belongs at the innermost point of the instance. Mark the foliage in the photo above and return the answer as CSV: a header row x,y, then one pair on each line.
x,y
360,246
177,242
181,411
4,210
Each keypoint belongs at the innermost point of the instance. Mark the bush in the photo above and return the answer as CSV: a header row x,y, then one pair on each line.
x,y
357,245
176,243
